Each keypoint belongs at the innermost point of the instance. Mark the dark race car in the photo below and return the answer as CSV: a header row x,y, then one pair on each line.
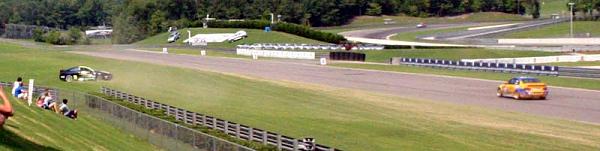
x,y
83,73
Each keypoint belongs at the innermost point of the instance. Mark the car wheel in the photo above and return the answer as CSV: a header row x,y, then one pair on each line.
x,y
543,98
517,96
69,78
499,93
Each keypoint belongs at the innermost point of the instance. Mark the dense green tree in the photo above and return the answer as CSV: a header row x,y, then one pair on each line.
x,y
374,9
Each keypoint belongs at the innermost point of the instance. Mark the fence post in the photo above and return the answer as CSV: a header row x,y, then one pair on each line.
x,y
204,121
295,145
279,141
264,137
194,118
251,133
237,131
168,110
214,122
226,127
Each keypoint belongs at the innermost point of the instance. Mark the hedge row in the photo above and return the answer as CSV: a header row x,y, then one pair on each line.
x,y
290,28
73,36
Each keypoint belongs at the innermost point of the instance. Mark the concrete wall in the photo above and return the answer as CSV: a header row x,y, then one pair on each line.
x,y
276,53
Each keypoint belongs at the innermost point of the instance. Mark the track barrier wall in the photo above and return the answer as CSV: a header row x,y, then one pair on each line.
x,y
347,56
500,67
480,66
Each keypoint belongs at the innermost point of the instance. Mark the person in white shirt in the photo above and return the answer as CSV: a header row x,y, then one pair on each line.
x,y
48,100
64,109
17,84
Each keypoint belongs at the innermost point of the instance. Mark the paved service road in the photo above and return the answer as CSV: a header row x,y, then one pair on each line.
x,y
580,105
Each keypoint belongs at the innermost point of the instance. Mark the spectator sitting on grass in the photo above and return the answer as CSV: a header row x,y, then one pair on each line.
x,y
21,92
6,109
18,89
41,99
47,101
16,84
64,109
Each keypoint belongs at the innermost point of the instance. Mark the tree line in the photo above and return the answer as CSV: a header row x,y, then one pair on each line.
x,y
140,18
57,13
64,13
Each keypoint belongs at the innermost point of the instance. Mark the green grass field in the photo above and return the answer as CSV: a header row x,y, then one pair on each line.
x,y
254,36
366,22
33,128
581,63
190,51
346,119
550,7
561,30
450,54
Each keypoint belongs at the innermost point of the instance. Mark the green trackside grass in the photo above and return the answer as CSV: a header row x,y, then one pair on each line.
x,y
254,36
342,118
561,30
450,54
33,128
367,22
571,64
190,51
593,84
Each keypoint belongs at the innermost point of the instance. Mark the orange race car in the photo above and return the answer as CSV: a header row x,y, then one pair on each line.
x,y
523,88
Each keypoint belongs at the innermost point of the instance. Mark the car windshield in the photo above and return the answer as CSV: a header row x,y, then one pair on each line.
x,y
530,80
73,69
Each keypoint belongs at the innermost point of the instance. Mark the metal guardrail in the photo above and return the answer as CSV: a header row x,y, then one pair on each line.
x,y
233,129
500,67
481,66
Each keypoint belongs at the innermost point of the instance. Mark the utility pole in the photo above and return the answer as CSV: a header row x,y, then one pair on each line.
x,y
571,4
519,7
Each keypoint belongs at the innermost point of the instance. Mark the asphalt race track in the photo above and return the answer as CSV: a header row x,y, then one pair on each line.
x,y
573,104
382,33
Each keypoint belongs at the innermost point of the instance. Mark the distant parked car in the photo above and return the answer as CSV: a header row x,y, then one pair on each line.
x,y
174,36
523,88
83,73
421,25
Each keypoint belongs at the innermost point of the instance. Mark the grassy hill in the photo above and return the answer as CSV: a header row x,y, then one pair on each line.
x,y
32,128
364,22
550,7
254,36
561,30
348,119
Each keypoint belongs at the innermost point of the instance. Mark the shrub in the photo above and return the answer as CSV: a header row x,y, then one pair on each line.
x,y
38,35
74,35
53,37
